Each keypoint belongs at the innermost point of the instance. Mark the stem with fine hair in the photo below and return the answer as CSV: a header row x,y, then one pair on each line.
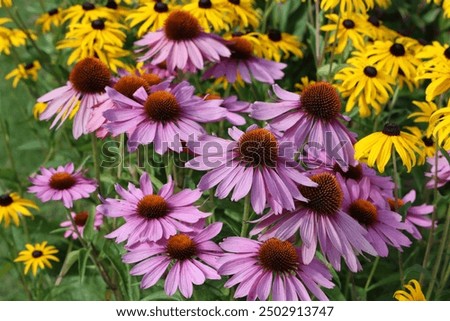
x,y
439,255
245,216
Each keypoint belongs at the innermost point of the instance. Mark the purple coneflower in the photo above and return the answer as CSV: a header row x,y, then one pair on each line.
x,y
312,119
151,217
322,221
415,215
191,259
80,220
182,44
243,64
383,225
252,163
165,115
273,267
160,70
127,85
85,89
233,107
63,184
442,170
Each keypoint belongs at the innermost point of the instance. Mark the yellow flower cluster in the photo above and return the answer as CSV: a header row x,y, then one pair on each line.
x,y
10,37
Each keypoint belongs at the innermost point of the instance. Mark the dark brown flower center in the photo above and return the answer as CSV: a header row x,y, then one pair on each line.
x,y
428,141
353,172
29,66
447,53
240,48
162,106
321,100
98,24
363,211
52,12
88,6
348,24
161,7
111,4
395,205
6,200
181,25
152,207
236,2
397,50
258,147
205,4
274,35
81,218
370,71
90,76
374,21
181,247
278,256
391,129
151,79
326,198
36,254
127,85
62,180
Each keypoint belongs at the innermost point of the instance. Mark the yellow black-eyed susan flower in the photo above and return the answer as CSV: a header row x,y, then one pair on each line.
x,y
377,148
12,206
428,141
151,15
117,10
24,71
347,5
212,15
243,13
10,37
5,3
95,38
413,292
303,83
423,116
376,30
396,57
277,42
52,17
440,124
86,12
351,27
365,85
37,256
38,109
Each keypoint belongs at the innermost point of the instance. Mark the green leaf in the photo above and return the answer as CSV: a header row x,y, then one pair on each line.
x,y
88,232
82,263
7,174
70,259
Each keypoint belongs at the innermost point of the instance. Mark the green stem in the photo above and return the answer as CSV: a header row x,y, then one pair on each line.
x,y
439,255
9,154
122,155
372,272
96,158
396,197
246,216
267,10
393,101
333,49
433,215
317,32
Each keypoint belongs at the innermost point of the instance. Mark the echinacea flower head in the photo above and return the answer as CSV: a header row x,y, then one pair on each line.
x,y
85,13
310,118
62,184
182,44
12,206
351,27
151,15
52,17
397,57
271,268
190,258
24,71
365,85
413,292
164,116
416,215
80,219
212,15
85,89
252,163
243,64
152,217
384,227
439,173
243,14
37,256
377,148
322,221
